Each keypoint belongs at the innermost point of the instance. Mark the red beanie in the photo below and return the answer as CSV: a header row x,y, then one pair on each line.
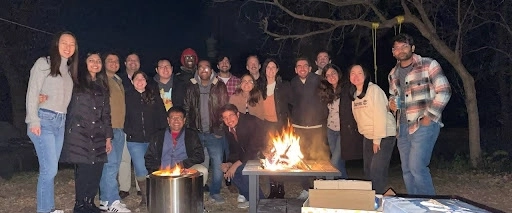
x,y
188,51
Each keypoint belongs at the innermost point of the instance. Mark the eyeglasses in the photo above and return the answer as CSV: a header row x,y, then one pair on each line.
x,y
189,57
247,82
403,47
176,118
205,68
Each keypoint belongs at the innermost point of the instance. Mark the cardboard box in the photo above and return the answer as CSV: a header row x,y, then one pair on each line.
x,y
342,194
343,184
306,208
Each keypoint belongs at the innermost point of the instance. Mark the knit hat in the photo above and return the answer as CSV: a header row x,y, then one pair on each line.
x,y
188,51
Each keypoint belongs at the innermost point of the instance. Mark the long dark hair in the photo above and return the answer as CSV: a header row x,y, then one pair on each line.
x,y
353,89
83,81
327,93
55,57
263,75
149,95
254,94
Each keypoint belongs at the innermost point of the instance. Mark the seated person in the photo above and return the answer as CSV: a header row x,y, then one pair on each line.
x,y
246,136
176,145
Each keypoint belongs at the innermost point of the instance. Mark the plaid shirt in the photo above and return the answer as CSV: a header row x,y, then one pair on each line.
x,y
232,84
427,91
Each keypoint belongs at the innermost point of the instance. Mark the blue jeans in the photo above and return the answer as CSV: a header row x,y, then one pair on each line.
x,y
415,153
376,165
242,183
109,187
334,140
137,151
48,147
214,146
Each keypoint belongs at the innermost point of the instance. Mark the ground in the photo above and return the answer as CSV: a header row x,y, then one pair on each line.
x,y
18,194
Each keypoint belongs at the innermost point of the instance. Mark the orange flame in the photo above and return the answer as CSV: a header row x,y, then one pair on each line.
x,y
285,150
168,171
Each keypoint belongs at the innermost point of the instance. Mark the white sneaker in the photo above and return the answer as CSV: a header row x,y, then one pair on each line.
x,y
303,195
57,211
241,198
103,205
243,205
117,206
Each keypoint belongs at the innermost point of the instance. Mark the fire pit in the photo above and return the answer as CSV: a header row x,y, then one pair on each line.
x,y
175,190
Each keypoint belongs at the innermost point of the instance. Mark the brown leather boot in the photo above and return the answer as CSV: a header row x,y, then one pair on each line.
x,y
143,191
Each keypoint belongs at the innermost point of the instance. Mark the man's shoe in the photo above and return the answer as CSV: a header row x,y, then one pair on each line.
x,y
217,199
303,195
123,194
117,206
57,211
280,191
273,191
241,199
206,188
243,205
103,205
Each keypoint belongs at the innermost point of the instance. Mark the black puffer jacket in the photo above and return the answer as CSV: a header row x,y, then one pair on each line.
x,y
87,127
142,119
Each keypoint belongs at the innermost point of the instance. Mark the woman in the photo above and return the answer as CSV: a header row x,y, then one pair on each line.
x,y
145,115
275,93
330,91
247,97
376,123
51,77
88,131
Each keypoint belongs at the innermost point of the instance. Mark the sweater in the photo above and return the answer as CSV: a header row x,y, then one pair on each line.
x,y
239,101
372,115
58,89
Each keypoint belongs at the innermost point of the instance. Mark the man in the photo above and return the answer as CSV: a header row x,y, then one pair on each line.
x,y
308,116
164,80
176,145
246,136
132,64
205,95
182,78
424,91
253,66
109,197
322,59
231,81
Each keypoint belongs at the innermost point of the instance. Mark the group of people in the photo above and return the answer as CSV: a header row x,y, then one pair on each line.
x,y
90,115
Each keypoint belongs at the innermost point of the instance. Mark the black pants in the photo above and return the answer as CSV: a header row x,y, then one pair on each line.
x,y
87,180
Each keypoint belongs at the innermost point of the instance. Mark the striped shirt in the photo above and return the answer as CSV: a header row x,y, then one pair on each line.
x,y
427,91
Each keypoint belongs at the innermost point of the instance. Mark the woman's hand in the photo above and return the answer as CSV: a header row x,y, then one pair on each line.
x,y
42,98
108,146
225,167
376,148
36,130
231,171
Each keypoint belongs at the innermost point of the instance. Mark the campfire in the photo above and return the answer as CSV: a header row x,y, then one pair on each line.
x,y
284,151
176,171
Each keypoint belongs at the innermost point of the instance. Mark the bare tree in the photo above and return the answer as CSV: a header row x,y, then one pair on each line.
x,y
445,26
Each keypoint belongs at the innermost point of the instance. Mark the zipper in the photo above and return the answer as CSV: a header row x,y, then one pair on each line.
x,y
142,117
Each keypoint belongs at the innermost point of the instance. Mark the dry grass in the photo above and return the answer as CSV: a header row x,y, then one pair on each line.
x,y
18,194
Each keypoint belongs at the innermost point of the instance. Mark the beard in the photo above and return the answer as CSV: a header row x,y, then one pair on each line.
x,y
404,56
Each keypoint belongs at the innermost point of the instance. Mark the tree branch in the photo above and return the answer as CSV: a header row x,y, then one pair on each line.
x,y
424,16
277,37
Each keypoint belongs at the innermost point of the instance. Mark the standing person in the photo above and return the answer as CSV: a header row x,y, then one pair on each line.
x,y
231,81
206,94
50,76
109,186
322,58
145,115
246,136
164,79
187,71
132,63
330,91
424,91
253,66
247,98
87,140
275,94
309,116
376,123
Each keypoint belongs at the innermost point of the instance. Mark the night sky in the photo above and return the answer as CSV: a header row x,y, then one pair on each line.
x,y
153,29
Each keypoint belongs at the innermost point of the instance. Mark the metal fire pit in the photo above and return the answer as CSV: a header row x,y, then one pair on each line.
x,y
172,194
254,169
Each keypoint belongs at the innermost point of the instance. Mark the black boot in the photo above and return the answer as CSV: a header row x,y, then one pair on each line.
x,y
280,191
80,207
90,206
273,191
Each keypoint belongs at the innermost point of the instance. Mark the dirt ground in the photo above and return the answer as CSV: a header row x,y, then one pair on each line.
x,y
18,194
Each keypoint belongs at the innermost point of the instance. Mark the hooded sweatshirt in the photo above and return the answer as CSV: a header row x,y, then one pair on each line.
x,y
165,91
187,73
203,101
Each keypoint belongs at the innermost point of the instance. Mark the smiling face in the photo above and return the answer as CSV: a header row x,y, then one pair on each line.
x,y
204,70
224,65
322,59
230,118
93,64
247,83
271,70
302,68
402,51
176,121
332,77
164,69
139,82
112,63
132,63
357,76
67,45
253,65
